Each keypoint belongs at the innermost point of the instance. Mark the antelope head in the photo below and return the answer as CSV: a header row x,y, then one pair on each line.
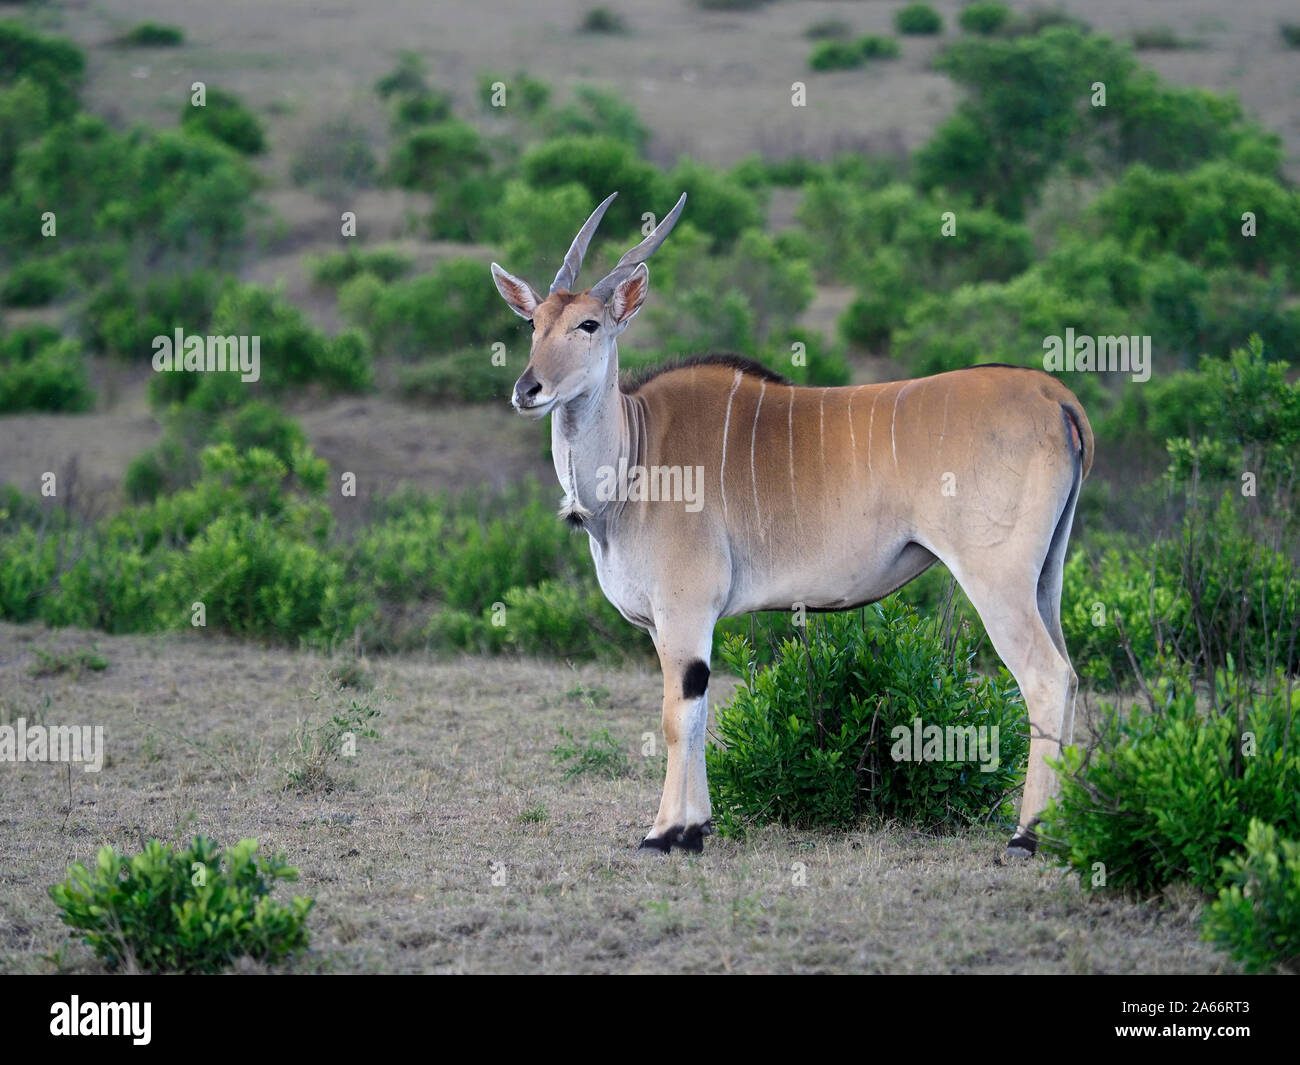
x,y
574,332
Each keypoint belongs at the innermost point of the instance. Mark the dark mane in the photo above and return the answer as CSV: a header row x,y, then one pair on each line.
x,y
633,380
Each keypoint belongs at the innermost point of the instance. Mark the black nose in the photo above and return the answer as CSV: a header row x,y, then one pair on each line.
x,y
526,388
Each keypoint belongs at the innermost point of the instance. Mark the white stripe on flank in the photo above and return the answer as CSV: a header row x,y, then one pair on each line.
x,y
853,440
794,496
821,423
892,445
943,429
753,478
726,422
871,427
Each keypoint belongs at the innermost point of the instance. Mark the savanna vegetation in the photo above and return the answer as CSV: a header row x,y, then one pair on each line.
x,y
1109,203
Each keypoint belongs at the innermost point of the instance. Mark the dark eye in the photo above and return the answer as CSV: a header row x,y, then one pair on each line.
x,y
589,326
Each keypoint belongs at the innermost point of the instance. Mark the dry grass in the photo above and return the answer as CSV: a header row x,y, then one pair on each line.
x,y
462,791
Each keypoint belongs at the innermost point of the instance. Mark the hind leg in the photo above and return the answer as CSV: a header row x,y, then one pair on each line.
x,y
1008,605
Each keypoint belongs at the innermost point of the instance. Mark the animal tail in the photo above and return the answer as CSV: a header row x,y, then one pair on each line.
x,y
1080,433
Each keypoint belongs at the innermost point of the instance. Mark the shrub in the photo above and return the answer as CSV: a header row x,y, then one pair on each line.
x,y
602,20
335,157
600,165
718,205
1159,38
123,316
1257,915
469,376
731,302
598,113
453,308
984,16
318,745
224,118
918,19
522,92
1290,33
824,735
1168,792
52,379
153,35
407,78
566,619
183,909
58,66
332,270
292,351
828,28
35,283
1197,215
835,55
873,47
430,156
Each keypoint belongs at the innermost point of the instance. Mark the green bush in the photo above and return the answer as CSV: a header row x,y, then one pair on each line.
x,y
1290,33
292,351
335,157
183,909
453,308
470,376
58,66
52,379
522,92
918,19
823,736
602,20
153,35
123,316
1159,38
332,270
597,113
1257,915
828,28
873,47
717,205
1198,216
35,283
224,118
1168,792
984,16
835,55
737,301
601,165
430,156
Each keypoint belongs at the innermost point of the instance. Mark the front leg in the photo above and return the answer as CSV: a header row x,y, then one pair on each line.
x,y
684,810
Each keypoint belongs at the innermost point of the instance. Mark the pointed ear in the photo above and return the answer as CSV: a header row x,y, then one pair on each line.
x,y
628,296
516,292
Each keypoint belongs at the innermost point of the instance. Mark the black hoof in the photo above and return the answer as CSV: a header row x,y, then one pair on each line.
x,y
687,838
1022,846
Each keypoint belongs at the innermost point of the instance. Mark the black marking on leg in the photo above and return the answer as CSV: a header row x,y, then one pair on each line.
x,y
1025,845
662,843
691,839
695,682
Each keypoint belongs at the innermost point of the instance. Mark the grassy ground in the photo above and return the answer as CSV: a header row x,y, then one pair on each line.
x,y
455,843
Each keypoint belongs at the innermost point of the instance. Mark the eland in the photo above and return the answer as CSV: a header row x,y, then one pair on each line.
x,y
828,498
